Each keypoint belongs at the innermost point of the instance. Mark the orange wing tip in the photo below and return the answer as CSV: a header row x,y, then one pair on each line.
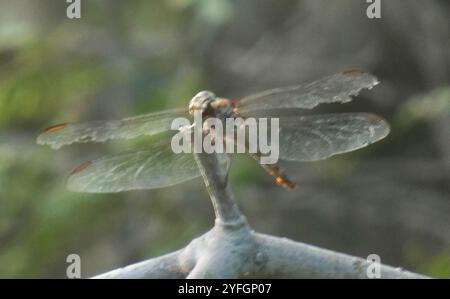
x,y
376,119
373,117
55,128
81,167
285,183
357,72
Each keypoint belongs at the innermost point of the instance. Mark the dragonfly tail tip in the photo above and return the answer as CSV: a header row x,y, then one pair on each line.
x,y
286,183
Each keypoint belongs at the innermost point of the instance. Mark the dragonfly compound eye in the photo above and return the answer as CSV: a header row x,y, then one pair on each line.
x,y
201,101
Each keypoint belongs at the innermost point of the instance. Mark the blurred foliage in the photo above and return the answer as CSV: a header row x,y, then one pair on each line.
x,y
424,108
132,57
439,266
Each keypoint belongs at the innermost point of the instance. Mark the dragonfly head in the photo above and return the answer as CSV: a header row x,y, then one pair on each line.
x,y
201,101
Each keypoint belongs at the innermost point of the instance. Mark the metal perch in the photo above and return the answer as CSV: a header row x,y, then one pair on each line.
x,y
231,249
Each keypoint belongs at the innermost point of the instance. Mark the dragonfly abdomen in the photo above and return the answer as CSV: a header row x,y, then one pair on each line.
x,y
274,170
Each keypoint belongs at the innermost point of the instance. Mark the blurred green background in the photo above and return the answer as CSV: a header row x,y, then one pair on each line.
x,y
129,57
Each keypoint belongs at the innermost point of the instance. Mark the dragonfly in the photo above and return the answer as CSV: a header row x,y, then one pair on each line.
x,y
302,137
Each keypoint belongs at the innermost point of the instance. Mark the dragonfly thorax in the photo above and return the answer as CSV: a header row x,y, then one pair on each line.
x,y
210,105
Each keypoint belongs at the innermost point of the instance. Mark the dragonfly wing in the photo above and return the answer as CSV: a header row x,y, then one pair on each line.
x,y
101,131
317,137
156,167
335,88
152,168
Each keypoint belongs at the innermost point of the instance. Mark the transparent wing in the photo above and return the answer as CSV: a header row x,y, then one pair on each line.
x,y
335,88
317,137
100,131
156,167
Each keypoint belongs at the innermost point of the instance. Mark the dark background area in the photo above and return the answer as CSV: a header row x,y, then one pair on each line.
x,y
130,57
